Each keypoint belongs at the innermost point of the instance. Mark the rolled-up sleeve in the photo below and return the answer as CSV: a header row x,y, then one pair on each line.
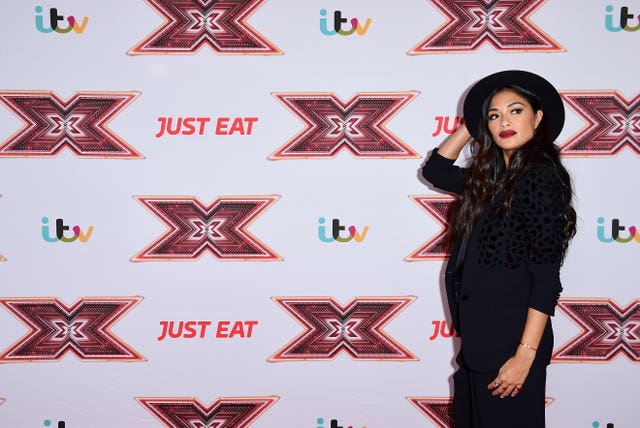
x,y
539,207
442,173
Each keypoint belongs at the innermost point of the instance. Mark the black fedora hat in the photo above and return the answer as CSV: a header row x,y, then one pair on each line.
x,y
550,99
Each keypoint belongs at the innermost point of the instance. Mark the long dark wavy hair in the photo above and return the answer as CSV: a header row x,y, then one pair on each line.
x,y
487,174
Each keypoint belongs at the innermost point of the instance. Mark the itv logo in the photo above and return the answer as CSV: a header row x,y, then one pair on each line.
x,y
338,20
337,230
632,233
61,228
625,19
54,20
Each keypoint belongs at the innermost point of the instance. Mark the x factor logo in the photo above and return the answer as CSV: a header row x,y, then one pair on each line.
x,y
79,124
606,331
331,328
613,122
357,125
505,24
56,329
225,412
191,24
195,228
439,410
435,248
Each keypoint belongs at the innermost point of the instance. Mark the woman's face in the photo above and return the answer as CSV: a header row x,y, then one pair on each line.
x,y
511,121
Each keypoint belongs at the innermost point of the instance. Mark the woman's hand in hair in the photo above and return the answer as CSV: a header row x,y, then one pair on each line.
x,y
454,143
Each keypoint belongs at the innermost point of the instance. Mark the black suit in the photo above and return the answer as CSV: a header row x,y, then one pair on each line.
x,y
511,263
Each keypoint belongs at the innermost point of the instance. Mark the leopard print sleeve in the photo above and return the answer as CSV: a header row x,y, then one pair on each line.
x,y
538,209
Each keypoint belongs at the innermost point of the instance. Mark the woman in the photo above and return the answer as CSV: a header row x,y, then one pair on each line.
x,y
509,232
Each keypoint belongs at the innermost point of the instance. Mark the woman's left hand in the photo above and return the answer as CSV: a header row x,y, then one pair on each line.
x,y
512,374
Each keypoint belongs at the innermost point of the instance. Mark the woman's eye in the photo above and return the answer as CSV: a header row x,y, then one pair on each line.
x,y
516,111
493,116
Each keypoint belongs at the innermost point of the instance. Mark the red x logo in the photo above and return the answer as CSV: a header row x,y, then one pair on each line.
x,y
435,248
78,124
613,122
607,330
504,24
357,126
195,228
222,413
356,328
191,24
82,329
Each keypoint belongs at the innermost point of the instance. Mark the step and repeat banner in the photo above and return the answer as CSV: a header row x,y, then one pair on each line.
x,y
211,213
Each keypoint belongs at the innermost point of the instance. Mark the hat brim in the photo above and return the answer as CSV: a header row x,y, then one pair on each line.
x,y
552,105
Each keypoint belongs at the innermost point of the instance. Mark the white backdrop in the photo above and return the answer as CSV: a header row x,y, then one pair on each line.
x,y
308,391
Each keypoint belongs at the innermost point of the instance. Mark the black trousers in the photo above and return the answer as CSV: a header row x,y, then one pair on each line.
x,y
475,407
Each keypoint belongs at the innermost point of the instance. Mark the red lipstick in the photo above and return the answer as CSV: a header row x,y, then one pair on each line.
x,y
507,134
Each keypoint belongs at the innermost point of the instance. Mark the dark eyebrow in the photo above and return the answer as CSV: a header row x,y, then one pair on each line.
x,y
510,105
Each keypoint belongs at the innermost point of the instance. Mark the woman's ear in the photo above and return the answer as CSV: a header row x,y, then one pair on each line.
x,y
538,118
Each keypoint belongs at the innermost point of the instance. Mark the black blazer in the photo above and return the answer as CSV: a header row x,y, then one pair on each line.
x,y
512,263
